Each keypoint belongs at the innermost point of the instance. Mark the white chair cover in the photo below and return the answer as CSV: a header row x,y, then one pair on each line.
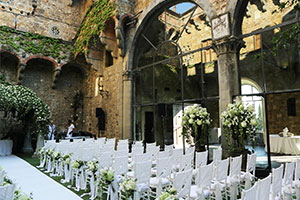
x,y
120,165
276,181
264,188
201,159
297,170
235,166
289,173
204,175
7,192
217,154
221,170
250,194
182,183
2,175
186,162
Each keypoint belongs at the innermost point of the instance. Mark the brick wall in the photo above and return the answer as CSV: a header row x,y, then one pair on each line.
x,y
278,116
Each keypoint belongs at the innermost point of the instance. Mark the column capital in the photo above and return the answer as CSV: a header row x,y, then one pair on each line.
x,y
228,45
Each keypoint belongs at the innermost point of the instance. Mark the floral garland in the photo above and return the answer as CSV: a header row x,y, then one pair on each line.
x,y
127,187
20,99
195,119
56,156
50,152
239,122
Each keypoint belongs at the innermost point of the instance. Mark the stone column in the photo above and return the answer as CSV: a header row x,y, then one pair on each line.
x,y
127,102
228,51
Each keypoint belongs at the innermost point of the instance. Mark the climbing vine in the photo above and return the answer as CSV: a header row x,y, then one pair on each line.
x,y
24,102
25,42
92,25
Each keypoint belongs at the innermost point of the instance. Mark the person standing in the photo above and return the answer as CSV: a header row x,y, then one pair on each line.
x,y
51,133
71,128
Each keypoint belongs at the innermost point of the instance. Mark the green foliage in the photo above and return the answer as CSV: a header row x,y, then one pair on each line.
x,y
31,43
285,39
92,25
23,101
289,36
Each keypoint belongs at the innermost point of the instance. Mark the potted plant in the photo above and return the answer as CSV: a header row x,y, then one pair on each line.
x,y
195,123
239,123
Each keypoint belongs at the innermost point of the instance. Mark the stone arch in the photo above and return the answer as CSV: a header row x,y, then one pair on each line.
x,y
9,65
108,36
43,58
157,6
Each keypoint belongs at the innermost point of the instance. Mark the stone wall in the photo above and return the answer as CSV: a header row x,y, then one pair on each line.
x,y
49,17
278,115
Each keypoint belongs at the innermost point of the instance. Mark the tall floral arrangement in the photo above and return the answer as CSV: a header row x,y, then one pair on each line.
x,y
239,122
195,123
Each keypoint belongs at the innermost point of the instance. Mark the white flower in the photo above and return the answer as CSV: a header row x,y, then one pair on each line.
x,y
191,121
243,124
199,122
253,122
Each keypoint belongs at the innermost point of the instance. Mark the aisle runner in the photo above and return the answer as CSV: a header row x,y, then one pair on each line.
x,y
32,180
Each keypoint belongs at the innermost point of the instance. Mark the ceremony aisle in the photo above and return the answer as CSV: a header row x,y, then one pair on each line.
x,y
31,180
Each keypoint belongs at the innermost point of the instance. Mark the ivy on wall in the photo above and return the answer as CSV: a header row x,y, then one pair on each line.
x,y
24,42
23,101
93,23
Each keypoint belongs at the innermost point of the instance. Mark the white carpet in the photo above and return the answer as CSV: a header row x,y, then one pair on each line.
x,y
31,180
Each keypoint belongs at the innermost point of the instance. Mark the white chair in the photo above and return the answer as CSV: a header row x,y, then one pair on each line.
x,y
203,179
287,185
163,175
163,154
7,192
217,155
186,162
264,188
105,160
276,183
297,170
249,175
142,173
220,179
201,159
234,176
250,194
289,173
111,141
182,183
169,148
120,167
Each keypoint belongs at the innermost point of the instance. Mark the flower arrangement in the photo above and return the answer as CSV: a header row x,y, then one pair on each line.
x,y
239,122
76,164
93,166
67,158
107,175
127,187
50,152
21,196
195,124
168,195
56,156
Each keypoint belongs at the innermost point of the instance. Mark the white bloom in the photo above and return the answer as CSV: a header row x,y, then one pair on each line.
x,y
253,122
243,124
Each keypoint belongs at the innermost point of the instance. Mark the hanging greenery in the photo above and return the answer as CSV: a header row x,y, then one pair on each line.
x,y
93,23
25,42
23,101
289,36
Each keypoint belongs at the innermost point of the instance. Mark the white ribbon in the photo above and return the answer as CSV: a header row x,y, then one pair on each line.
x,y
82,179
49,166
77,180
92,187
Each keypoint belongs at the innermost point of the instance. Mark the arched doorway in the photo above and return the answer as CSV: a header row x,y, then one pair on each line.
x,y
173,67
